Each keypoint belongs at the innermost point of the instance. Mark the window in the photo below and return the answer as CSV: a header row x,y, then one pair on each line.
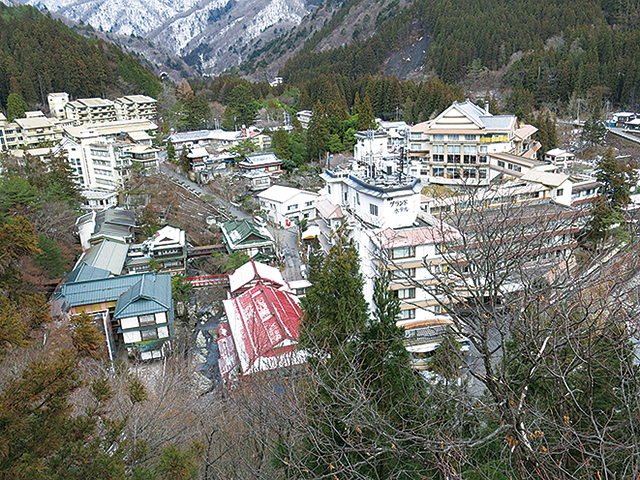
x,y
403,252
401,274
453,173
482,159
329,189
438,172
373,209
357,198
454,137
408,314
438,137
482,174
416,146
438,153
149,334
416,136
453,154
470,138
500,163
559,192
292,207
469,173
469,154
405,293
147,319
308,204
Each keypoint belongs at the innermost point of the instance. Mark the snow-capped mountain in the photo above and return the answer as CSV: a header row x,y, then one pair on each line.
x,y
212,34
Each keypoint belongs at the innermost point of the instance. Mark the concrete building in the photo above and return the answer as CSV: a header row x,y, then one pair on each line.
x,y
285,206
454,147
136,107
102,154
90,110
392,234
559,157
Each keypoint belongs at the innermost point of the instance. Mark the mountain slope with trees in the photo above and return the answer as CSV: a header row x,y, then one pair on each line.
x,y
39,55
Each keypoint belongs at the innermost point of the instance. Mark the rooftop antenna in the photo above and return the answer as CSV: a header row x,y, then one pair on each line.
x,y
370,167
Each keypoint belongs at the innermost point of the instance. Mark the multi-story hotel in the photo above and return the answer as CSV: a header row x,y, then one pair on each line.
x,y
456,146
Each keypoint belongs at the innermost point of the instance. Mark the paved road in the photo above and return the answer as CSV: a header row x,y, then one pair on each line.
x,y
287,242
286,239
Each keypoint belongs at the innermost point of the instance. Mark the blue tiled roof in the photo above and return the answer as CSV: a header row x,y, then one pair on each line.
x,y
151,294
87,272
110,289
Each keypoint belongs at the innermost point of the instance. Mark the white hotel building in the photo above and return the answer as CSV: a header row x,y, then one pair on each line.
x,y
391,232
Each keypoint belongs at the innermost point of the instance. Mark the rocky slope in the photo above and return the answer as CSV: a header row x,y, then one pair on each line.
x,y
212,35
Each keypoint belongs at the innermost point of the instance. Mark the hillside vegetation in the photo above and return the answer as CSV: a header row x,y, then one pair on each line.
x,y
39,55
581,47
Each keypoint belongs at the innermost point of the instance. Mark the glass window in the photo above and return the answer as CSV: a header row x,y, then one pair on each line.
x,y
373,209
470,138
403,252
454,137
408,314
147,319
406,273
405,293
438,137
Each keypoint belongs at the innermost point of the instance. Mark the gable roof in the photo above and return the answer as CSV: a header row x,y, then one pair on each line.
x,y
281,194
86,272
150,294
239,233
87,292
108,255
265,325
254,271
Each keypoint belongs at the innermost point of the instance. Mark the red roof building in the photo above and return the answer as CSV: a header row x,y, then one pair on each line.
x,y
264,324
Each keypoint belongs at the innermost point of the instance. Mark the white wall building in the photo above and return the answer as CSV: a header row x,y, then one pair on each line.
x,y
285,205
391,233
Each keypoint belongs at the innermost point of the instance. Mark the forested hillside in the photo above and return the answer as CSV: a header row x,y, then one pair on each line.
x,y
559,49
39,55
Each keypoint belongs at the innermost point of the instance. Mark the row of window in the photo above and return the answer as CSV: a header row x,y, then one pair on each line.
x,y
443,137
456,173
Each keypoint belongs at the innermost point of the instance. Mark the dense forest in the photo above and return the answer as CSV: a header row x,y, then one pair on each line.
x,y
39,55
560,50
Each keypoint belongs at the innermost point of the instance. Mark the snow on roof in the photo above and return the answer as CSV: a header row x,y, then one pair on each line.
x,y
254,271
558,151
264,324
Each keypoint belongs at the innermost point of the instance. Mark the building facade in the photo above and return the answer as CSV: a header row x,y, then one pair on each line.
x,y
454,148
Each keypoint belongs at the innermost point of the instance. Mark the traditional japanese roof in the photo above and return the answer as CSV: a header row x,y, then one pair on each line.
x,y
244,234
150,294
107,255
86,272
87,292
253,271
259,160
264,323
